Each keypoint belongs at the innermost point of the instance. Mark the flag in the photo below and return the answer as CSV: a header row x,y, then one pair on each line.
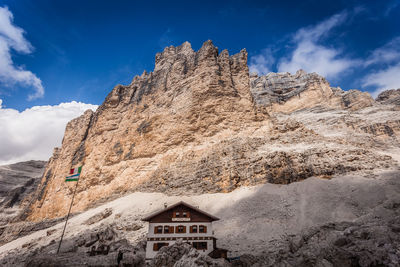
x,y
75,170
74,174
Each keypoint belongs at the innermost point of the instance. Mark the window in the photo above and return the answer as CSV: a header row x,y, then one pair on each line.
x,y
158,229
181,214
157,246
200,245
193,229
180,229
202,229
166,229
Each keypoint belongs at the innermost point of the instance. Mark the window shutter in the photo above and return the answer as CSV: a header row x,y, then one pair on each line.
x,y
176,229
191,229
155,247
202,229
184,229
156,228
173,214
171,229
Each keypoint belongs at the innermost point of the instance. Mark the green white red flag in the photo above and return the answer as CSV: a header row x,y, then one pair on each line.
x,y
74,174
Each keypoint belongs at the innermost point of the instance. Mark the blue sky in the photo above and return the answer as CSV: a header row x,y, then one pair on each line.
x,y
81,49
54,52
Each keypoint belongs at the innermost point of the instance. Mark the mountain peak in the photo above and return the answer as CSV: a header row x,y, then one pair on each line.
x,y
194,124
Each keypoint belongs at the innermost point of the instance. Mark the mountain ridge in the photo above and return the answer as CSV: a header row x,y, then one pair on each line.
x,y
201,123
17,182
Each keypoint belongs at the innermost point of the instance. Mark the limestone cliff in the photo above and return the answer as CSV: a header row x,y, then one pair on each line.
x,y
199,123
17,181
389,97
283,92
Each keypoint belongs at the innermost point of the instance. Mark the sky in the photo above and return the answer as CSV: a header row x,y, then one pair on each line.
x,y
58,58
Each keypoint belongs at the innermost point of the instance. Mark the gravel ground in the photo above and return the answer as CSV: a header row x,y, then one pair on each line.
x,y
251,217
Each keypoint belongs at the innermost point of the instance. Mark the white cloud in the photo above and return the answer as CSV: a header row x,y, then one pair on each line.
x,y
311,56
34,132
388,53
316,58
386,59
314,33
12,38
385,79
262,63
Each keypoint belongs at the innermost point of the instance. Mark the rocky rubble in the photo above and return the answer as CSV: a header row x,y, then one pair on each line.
x,y
183,254
266,223
101,247
168,256
98,217
14,230
373,240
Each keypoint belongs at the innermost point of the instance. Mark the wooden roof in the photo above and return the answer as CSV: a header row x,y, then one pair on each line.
x,y
152,215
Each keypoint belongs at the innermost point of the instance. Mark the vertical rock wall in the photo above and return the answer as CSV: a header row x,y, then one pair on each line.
x,y
197,123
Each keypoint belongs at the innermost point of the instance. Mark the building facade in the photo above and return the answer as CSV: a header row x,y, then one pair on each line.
x,y
180,221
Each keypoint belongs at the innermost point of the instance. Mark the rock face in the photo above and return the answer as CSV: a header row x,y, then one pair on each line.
x,y
283,92
389,97
17,181
199,123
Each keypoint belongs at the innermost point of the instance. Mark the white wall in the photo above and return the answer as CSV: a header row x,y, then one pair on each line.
x,y
174,224
149,248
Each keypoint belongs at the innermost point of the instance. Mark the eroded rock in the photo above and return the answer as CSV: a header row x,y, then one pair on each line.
x,y
98,217
182,254
199,123
389,97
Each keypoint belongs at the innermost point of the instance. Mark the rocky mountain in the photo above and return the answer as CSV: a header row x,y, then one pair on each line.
x,y
300,173
200,123
283,92
17,181
389,97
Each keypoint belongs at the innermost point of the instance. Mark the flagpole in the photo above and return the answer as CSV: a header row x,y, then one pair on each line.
x,y
69,211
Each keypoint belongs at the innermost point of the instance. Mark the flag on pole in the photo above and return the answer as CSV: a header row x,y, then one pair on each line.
x,y
74,174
